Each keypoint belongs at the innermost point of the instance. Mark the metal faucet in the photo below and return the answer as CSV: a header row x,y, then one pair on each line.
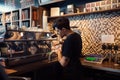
x,y
50,55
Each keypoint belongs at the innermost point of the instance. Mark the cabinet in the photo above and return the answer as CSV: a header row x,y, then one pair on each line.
x,y
27,17
15,16
8,19
44,11
12,19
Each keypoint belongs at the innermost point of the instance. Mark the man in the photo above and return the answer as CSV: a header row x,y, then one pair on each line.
x,y
69,62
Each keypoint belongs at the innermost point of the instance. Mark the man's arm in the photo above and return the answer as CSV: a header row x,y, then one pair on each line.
x,y
64,61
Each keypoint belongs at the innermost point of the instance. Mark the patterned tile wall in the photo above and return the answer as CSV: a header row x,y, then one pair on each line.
x,y
92,26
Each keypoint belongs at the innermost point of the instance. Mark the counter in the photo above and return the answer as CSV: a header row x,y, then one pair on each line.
x,y
106,67
18,70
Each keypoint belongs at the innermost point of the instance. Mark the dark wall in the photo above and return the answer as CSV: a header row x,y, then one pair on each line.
x,y
80,1
17,3
1,2
77,2
63,4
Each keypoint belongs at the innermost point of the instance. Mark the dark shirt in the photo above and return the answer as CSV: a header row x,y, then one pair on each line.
x,y
72,47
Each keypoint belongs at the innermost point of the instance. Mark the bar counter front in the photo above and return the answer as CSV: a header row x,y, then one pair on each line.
x,y
104,71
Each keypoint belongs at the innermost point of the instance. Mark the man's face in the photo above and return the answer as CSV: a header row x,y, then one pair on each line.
x,y
60,32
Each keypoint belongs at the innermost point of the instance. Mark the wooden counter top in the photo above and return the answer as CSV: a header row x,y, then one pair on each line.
x,y
106,66
28,67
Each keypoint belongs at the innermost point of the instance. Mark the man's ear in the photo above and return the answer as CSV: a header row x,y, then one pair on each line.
x,y
64,29
56,28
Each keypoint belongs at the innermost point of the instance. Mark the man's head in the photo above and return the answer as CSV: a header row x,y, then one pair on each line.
x,y
62,26
61,23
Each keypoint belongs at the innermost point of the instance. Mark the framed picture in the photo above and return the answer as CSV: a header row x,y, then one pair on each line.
x,y
70,8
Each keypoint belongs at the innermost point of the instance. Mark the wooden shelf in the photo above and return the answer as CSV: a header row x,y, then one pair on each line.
x,y
84,13
7,22
50,2
15,21
29,31
15,40
25,19
25,40
21,40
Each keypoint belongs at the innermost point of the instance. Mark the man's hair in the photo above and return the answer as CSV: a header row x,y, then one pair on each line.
x,y
60,23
